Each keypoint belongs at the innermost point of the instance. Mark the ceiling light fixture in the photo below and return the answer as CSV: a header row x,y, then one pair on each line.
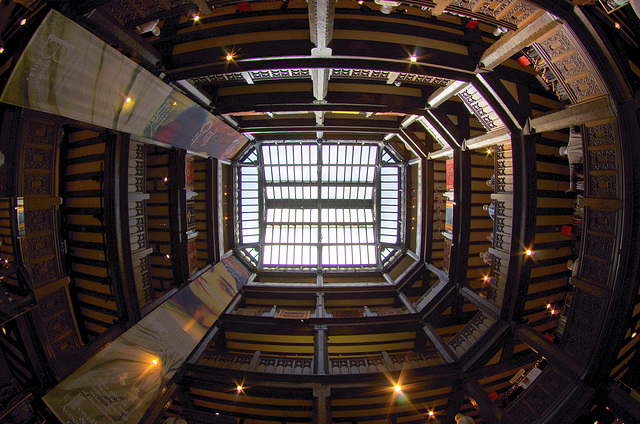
x,y
414,58
229,57
398,388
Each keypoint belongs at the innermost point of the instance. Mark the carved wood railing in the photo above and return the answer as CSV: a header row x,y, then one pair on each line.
x,y
137,222
304,366
471,333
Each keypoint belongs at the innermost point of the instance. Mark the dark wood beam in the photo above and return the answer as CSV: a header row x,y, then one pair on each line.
x,y
440,345
523,229
445,127
419,148
454,404
488,410
196,68
556,357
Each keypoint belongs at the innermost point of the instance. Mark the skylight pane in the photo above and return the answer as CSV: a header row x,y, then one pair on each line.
x,y
306,210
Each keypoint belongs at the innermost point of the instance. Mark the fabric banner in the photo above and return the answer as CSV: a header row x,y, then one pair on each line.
x,y
65,70
120,383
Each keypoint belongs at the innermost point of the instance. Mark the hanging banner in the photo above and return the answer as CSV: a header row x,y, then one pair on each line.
x,y
120,383
67,71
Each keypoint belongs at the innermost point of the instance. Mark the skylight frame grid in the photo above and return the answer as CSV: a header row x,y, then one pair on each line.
x,y
289,185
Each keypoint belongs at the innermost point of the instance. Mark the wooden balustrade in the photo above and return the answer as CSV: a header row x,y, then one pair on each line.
x,y
137,219
471,333
304,366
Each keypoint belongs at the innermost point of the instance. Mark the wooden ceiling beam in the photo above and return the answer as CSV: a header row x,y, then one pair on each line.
x,y
440,68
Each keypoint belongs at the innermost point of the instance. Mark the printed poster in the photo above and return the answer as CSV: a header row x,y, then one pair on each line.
x,y
120,383
67,71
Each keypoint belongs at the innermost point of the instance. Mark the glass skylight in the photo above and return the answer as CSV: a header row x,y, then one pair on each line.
x,y
319,206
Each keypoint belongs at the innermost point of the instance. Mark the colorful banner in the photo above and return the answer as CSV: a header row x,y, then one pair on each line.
x,y
120,383
65,70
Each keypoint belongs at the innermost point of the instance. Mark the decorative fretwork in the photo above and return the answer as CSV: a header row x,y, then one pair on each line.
x,y
471,332
303,73
475,102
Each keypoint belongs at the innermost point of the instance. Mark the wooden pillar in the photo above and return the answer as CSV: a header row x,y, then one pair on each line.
x,y
321,404
522,228
489,411
454,403
461,217
321,350
178,217
320,311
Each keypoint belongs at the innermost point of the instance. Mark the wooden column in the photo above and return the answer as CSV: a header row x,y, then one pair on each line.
x,y
489,411
320,311
461,217
321,350
321,404
523,228
178,217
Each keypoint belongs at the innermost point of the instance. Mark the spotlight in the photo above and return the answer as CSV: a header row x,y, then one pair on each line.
x,y
633,336
548,305
174,103
489,151
360,1
22,22
239,388
617,25
168,257
398,388
413,58
196,18
529,252
166,179
431,414
229,57
127,100
154,362
1,50
4,331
